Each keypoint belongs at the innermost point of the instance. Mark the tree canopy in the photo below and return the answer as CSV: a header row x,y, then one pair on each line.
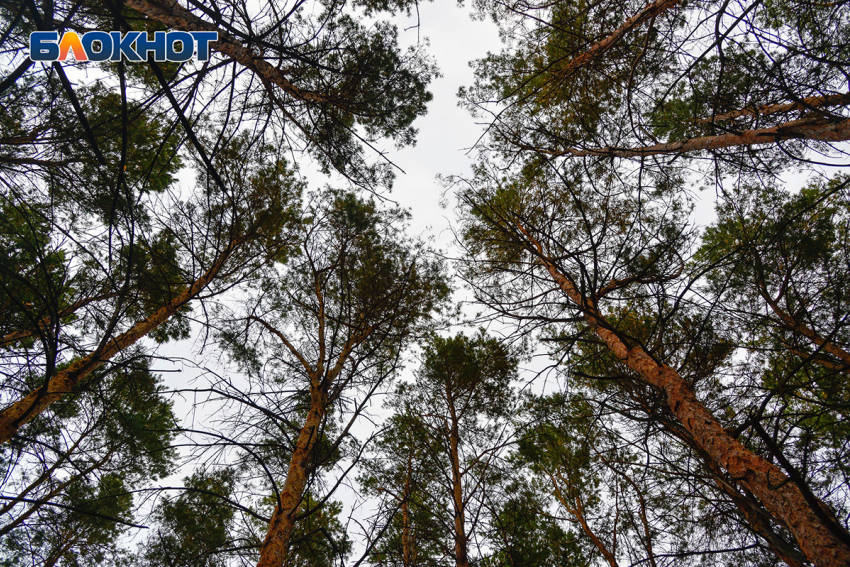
x,y
623,382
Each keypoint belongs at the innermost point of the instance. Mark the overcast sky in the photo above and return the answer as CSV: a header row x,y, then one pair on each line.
x,y
447,131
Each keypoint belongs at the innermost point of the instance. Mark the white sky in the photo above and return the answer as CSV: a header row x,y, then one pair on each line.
x,y
447,131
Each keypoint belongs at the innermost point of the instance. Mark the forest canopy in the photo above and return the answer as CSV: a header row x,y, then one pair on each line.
x,y
590,374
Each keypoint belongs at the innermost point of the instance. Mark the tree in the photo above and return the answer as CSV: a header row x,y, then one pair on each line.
x,y
321,335
331,75
193,527
778,258
626,80
522,532
105,256
604,264
455,423
635,493
576,223
132,283
405,477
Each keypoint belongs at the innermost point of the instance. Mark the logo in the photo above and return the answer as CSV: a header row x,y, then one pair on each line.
x,y
112,46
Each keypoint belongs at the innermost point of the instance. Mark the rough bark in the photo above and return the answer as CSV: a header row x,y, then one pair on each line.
x,y
806,129
781,497
757,520
174,16
13,417
461,552
650,11
276,545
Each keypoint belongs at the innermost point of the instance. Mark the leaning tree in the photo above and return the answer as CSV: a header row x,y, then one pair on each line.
x,y
576,224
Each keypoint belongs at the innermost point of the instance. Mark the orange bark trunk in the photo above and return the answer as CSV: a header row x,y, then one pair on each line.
x,y
276,546
578,512
461,552
574,507
758,521
22,411
807,129
650,11
174,16
781,497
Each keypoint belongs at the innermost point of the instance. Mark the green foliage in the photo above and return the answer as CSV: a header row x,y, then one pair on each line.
x,y
524,534
405,476
447,434
319,539
475,372
83,465
193,529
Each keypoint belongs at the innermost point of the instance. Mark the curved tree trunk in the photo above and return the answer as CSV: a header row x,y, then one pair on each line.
x,y
13,417
780,496
575,507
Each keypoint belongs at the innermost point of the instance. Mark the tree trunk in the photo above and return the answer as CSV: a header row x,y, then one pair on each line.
x,y
650,11
174,16
793,324
461,553
806,129
13,417
572,504
780,496
276,546
406,550
757,520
